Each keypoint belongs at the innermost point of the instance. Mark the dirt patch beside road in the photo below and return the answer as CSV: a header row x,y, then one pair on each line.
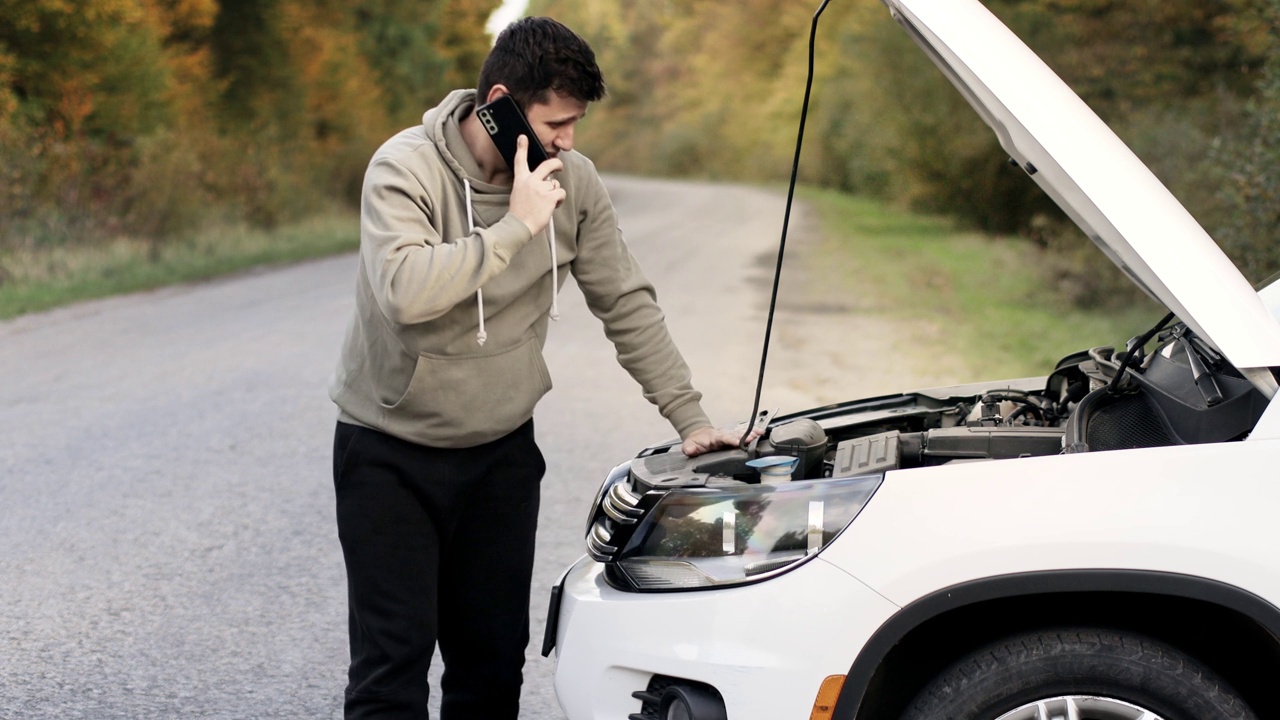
x,y
834,338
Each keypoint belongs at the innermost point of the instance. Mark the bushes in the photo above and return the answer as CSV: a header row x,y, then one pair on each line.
x,y
55,191
1247,216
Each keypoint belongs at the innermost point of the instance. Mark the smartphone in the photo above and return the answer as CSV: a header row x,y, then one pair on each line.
x,y
504,122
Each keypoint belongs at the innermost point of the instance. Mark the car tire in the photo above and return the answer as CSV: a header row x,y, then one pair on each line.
x,y
1098,672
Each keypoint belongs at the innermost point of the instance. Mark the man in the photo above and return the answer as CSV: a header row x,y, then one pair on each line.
x,y
436,471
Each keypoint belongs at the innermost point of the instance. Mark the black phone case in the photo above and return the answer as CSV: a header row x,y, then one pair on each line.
x,y
504,122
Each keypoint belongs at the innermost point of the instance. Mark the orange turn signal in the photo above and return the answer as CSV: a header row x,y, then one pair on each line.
x,y
825,704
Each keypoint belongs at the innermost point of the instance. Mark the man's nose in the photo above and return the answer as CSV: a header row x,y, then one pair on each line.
x,y
564,140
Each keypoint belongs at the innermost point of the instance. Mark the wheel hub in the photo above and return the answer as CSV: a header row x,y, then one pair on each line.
x,y
1079,707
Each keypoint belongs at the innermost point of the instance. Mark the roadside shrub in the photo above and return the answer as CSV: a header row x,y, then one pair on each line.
x,y
58,190
167,196
1248,222
1075,269
21,164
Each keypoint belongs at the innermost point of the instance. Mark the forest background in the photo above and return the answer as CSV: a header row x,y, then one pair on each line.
x,y
148,122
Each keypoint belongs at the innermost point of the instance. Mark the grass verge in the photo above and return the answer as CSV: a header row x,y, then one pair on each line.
x,y
986,302
34,280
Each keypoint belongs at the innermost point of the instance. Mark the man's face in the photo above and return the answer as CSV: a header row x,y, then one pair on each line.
x,y
554,121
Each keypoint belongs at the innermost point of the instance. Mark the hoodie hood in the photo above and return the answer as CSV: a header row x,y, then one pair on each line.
x,y
1100,184
441,124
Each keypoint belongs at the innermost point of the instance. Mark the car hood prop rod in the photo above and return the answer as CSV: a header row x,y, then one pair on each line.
x,y
782,243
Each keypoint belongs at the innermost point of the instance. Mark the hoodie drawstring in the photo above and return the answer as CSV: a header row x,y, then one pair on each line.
x,y
481,335
555,277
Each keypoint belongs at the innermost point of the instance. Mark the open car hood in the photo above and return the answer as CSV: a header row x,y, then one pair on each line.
x,y
1094,177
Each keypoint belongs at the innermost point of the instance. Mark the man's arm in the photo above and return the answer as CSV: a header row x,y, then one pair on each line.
x,y
620,295
415,274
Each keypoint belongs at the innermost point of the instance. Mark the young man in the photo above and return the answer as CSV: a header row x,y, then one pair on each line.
x,y
436,471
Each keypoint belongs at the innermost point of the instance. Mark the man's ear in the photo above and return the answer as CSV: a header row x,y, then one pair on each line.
x,y
496,92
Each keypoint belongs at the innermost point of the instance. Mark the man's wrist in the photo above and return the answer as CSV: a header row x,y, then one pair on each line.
x,y
689,418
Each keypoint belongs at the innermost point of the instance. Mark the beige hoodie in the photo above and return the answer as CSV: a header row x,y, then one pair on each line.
x,y
411,363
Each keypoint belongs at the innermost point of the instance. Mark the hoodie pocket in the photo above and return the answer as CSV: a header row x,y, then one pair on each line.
x,y
474,398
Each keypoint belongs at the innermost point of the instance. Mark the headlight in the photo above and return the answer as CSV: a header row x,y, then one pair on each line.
x,y
693,538
616,476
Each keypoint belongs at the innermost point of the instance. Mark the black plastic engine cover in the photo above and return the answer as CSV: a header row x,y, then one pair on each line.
x,y
673,469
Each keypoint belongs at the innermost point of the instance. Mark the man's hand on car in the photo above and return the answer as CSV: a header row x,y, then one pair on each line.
x,y
704,440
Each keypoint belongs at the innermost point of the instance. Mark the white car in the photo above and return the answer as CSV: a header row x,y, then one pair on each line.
x,y
1096,544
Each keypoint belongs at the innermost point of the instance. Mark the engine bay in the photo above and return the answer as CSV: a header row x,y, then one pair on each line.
x,y
1096,400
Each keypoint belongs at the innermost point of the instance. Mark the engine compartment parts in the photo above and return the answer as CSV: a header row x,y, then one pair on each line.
x,y
774,469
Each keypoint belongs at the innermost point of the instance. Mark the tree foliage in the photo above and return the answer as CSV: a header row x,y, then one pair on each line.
x,y
714,90
148,117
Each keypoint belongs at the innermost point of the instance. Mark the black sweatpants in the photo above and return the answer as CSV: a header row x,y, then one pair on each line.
x,y
438,546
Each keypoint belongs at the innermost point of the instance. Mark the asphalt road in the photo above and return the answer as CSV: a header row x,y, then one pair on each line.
x,y
167,542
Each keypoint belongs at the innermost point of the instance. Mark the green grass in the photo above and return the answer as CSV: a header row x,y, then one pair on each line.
x,y
987,302
34,280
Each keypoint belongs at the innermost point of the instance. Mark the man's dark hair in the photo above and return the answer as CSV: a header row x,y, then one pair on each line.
x,y
534,56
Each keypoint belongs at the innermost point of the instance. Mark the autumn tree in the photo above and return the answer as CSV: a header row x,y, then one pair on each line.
x,y
152,117
397,41
250,44
84,82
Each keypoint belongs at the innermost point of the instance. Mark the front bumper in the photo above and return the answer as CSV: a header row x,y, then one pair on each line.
x,y
765,647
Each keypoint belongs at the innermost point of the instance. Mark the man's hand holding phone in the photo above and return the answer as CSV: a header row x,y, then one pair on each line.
x,y
534,193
